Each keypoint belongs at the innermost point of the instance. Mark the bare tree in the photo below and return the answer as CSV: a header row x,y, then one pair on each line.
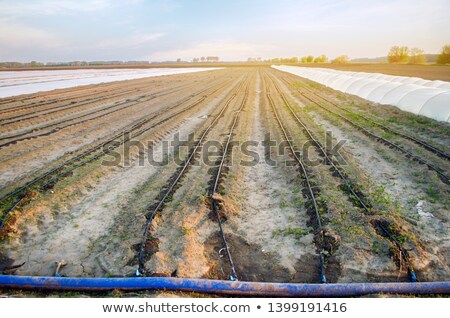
x,y
321,59
341,59
444,57
212,59
398,54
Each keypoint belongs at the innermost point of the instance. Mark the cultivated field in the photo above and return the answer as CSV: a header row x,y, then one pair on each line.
x,y
270,201
429,72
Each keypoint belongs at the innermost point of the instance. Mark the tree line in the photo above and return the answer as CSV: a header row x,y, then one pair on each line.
x,y
307,59
405,55
396,55
208,59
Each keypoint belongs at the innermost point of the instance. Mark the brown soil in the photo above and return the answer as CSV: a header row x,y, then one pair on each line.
x,y
429,72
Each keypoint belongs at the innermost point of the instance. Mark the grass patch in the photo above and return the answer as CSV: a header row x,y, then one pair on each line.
x,y
283,203
380,197
433,193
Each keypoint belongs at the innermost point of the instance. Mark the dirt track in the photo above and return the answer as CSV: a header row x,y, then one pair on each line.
x,y
93,217
429,72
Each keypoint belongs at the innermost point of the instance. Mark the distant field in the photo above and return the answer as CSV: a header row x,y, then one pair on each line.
x,y
429,72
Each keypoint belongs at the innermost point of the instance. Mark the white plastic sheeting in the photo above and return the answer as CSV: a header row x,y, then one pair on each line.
x,y
411,94
13,83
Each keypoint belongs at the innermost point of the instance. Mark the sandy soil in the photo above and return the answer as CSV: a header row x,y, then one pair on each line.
x,y
40,152
84,224
268,212
94,218
391,175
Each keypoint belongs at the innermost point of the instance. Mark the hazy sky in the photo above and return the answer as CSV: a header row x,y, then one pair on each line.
x,y
65,30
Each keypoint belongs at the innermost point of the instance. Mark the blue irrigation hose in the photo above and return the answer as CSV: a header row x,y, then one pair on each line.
x,y
219,286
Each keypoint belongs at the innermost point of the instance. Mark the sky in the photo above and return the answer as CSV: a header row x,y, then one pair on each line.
x,y
160,30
